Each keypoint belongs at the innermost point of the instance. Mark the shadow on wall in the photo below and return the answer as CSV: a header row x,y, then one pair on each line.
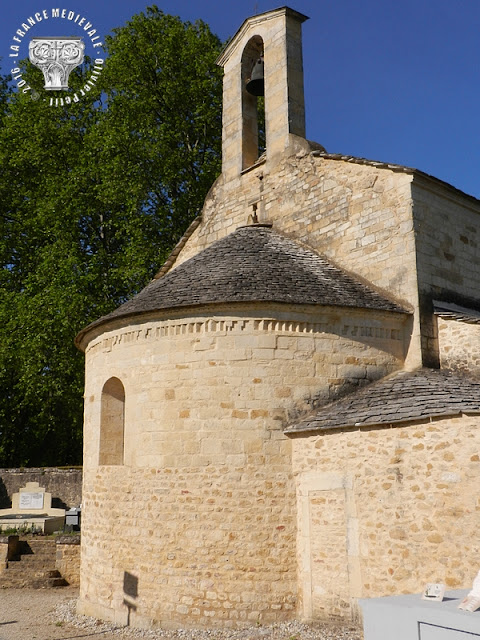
x,y
59,504
5,502
130,589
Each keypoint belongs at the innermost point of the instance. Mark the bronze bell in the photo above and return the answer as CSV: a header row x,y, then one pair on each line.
x,y
256,85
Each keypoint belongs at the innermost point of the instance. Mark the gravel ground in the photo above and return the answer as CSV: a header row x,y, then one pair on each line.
x,y
49,614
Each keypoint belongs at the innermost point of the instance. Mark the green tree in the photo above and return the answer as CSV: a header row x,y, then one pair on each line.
x,y
164,116
92,199
4,93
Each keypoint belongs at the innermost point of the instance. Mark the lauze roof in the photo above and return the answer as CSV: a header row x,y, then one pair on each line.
x,y
253,264
403,396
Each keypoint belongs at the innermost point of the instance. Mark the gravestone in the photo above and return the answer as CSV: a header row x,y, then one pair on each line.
x,y
32,509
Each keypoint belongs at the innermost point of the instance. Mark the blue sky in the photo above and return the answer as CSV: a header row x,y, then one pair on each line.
x,y
390,80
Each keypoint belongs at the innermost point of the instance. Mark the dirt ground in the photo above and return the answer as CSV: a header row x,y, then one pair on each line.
x,y
28,614
49,614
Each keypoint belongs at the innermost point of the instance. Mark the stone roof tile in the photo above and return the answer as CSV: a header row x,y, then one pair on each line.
x,y
253,264
457,312
403,396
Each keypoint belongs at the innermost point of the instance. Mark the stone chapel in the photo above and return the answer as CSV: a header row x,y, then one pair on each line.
x,y
287,418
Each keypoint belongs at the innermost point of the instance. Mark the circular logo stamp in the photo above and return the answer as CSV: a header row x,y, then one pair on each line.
x,y
56,56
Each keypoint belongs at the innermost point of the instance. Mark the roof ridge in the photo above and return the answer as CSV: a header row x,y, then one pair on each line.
x,y
366,161
392,167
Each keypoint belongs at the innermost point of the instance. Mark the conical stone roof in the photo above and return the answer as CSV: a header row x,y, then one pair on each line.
x,y
253,264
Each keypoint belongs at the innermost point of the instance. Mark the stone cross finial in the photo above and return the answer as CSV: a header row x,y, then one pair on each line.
x,y
56,57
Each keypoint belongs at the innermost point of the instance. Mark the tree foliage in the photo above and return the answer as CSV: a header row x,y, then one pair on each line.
x,y
92,199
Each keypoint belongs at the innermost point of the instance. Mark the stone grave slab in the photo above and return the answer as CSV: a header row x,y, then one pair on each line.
x,y
32,508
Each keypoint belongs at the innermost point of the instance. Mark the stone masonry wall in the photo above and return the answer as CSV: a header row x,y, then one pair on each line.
x,y
448,231
383,511
358,216
68,558
198,527
65,485
459,345
447,226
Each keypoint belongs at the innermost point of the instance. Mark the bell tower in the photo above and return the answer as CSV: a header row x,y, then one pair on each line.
x,y
272,40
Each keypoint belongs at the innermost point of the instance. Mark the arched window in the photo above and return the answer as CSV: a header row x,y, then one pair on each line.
x,y
112,423
253,106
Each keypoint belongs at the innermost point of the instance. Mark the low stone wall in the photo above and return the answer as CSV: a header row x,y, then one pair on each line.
x,y
65,485
8,548
68,558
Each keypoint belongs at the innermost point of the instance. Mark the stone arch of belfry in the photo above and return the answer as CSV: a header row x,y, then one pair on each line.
x,y
252,52
278,35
